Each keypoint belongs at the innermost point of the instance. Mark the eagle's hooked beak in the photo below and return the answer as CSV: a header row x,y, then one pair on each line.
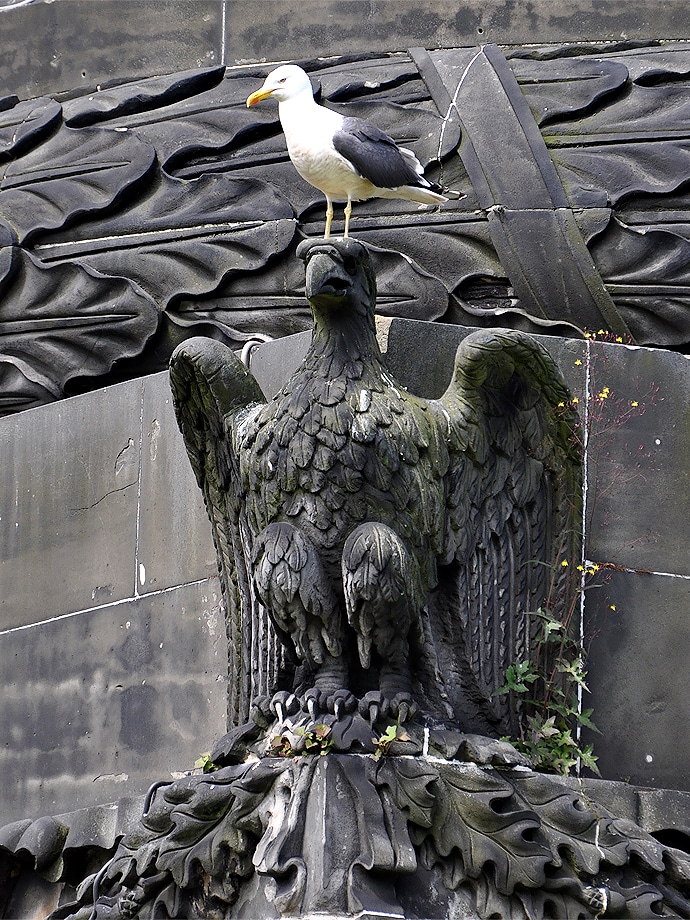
x,y
257,96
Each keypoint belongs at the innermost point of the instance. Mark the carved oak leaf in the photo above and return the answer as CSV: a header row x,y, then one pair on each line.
x,y
174,206
169,268
642,112
188,236
467,828
397,79
658,64
471,819
436,249
274,302
205,830
411,785
26,123
142,96
630,259
566,86
68,320
202,126
619,171
72,173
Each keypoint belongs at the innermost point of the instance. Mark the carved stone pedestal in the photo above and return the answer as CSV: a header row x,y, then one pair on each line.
x,y
353,835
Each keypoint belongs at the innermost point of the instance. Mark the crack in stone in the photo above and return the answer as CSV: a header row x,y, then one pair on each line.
x,y
103,497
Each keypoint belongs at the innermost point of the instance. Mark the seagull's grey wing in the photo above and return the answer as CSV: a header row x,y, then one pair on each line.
x,y
514,508
212,389
374,155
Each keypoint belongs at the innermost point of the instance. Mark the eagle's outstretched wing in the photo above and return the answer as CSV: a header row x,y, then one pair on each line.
x,y
513,518
212,391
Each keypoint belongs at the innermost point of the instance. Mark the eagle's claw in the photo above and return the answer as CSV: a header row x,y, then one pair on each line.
x,y
284,704
403,707
373,706
342,703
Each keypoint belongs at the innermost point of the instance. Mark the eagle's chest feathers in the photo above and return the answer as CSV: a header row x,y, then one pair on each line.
x,y
335,450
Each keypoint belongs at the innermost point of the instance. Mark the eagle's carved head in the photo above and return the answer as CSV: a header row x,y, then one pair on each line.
x,y
339,274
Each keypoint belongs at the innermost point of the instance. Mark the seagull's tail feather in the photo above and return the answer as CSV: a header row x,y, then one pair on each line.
x,y
442,193
429,193
420,193
446,193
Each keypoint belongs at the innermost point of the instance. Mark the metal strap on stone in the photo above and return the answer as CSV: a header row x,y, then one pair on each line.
x,y
532,226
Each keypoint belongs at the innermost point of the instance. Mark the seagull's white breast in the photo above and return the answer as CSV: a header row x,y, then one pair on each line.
x,y
309,134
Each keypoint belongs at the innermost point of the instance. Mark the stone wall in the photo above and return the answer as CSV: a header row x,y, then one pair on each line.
x,y
112,641
112,645
60,44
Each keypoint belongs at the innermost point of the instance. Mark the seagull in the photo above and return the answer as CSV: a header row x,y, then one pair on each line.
x,y
346,158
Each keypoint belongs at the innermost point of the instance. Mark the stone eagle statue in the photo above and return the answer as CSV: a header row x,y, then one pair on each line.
x,y
378,550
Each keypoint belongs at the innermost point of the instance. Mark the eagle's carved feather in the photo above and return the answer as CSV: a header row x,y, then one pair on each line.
x,y
383,538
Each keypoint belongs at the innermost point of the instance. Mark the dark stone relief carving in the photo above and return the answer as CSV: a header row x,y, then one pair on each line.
x,y
393,545
343,835
146,212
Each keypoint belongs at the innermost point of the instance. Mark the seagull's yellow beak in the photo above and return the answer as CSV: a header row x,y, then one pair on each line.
x,y
258,96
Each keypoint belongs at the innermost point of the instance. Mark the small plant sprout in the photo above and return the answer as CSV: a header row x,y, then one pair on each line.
x,y
300,740
205,763
383,743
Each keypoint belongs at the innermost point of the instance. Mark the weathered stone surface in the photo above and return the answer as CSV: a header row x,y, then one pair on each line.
x,y
59,45
69,505
639,633
96,705
639,483
662,809
97,508
70,43
175,545
90,497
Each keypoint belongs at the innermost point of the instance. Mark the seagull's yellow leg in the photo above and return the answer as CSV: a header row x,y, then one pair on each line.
x,y
348,212
329,218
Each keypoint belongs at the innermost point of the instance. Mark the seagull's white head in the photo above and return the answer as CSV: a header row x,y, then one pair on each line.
x,y
285,82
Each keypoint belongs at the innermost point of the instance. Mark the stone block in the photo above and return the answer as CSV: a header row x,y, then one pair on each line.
x,y
638,485
68,505
175,542
59,46
663,810
268,31
638,676
101,704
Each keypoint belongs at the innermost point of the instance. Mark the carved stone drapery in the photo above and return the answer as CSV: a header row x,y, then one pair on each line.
x,y
148,211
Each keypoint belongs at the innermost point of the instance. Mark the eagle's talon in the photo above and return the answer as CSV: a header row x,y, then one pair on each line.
x,y
284,704
373,706
262,712
315,702
342,703
403,707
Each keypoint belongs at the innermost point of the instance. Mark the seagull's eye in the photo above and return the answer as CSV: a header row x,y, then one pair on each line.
x,y
282,80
